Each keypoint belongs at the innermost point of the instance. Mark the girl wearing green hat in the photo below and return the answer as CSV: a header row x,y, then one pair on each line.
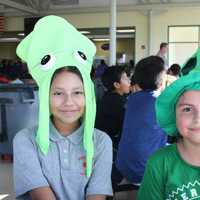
x,y
173,173
64,157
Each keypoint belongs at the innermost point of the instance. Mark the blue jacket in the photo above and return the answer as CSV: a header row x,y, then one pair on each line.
x,y
141,135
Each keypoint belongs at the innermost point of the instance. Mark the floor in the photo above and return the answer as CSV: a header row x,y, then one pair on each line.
x,y
6,184
6,181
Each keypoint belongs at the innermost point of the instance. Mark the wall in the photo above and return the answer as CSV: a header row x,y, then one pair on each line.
x,y
174,16
92,20
124,45
137,19
14,23
7,50
160,22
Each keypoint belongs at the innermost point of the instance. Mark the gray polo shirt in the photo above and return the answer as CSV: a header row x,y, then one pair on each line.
x,y
63,168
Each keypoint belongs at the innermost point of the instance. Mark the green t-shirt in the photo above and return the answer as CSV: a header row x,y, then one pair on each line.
x,y
169,177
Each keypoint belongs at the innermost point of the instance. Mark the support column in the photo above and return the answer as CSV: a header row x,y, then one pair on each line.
x,y
113,12
150,14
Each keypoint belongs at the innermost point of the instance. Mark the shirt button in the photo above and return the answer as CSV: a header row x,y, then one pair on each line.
x,y
65,160
65,151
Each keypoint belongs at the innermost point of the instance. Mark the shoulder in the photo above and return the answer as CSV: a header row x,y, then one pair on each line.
x,y
141,100
142,95
25,136
164,155
101,138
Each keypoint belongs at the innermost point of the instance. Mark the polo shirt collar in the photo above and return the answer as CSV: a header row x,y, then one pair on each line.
x,y
75,137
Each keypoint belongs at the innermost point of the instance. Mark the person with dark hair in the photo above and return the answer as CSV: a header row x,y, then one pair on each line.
x,y
172,74
174,70
3,77
134,86
100,68
63,157
141,135
14,75
162,53
111,108
149,73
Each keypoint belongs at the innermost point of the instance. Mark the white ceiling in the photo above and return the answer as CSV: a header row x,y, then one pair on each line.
x,y
43,7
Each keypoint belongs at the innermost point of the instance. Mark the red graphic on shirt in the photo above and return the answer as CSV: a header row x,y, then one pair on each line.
x,y
83,159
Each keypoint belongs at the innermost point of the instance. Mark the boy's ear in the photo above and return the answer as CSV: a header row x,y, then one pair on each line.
x,y
116,85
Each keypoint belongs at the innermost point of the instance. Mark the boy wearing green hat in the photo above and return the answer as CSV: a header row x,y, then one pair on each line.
x,y
64,157
173,173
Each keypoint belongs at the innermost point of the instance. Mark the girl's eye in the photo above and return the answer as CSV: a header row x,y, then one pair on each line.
x,y
186,109
78,93
57,93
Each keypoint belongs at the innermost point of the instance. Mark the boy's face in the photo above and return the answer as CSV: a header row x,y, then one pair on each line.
x,y
123,87
67,100
164,50
188,116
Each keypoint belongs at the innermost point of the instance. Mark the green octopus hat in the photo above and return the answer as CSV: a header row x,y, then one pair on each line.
x,y
166,102
53,44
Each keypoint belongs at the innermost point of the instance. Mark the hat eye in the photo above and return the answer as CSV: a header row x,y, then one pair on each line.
x,y
190,65
47,62
80,56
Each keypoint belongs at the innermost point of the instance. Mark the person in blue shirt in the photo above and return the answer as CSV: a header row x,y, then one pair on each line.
x,y
141,135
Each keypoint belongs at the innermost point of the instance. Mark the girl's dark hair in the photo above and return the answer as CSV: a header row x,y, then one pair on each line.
x,y
69,69
147,72
175,69
111,75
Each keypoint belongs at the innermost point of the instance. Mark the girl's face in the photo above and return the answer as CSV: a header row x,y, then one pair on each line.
x,y
123,87
67,100
188,116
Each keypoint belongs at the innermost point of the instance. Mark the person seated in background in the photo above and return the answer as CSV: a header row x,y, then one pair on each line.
x,y
100,69
171,75
4,72
99,87
14,76
111,108
174,70
141,134
3,78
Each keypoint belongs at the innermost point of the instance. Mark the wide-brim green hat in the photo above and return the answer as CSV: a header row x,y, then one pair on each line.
x,y
166,102
54,43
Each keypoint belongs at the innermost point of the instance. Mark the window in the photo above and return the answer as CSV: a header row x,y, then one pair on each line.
x,y
183,42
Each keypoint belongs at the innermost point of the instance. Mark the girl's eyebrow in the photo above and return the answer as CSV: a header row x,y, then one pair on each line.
x,y
57,88
78,88
75,88
184,104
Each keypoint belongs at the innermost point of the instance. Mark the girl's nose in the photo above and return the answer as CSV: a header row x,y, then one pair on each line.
x,y
197,117
68,100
